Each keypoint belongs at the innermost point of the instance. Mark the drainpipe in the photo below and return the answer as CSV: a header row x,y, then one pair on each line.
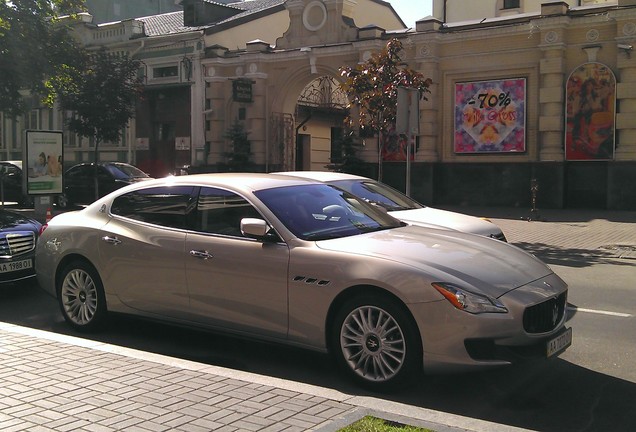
x,y
444,12
141,46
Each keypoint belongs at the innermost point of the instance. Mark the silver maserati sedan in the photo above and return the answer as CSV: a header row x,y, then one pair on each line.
x,y
303,263
402,206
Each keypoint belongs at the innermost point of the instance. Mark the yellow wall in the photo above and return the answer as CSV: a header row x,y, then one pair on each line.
x,y
462,10
368,13
268,30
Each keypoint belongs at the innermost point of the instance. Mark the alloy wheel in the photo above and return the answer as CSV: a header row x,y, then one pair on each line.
x,y
373,344
79,297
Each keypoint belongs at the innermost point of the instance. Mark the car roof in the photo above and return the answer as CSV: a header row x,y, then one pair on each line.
x,y
17,163
322,176
242,181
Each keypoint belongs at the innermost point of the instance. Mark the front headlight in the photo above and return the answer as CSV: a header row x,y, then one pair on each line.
x,y
468,301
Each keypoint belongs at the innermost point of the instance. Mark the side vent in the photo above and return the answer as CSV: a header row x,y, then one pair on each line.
x,y
311,280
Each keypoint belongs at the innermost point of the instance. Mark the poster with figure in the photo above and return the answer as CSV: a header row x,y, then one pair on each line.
x,y
490,116
44,162
590,113
394,146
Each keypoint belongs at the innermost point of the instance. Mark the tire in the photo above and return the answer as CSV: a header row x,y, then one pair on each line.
x,y
62,201
376,342
81,297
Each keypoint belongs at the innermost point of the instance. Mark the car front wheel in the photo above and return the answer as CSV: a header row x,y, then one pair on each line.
x,y
81,296
376,342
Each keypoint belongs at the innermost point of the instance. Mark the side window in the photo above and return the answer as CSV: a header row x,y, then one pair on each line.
x,y
166,206
80,171
220,212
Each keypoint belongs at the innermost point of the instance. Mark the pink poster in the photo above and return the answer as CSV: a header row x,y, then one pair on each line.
x,y
490,116
590,109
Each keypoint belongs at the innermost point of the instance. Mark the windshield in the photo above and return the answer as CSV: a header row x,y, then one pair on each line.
x,y
320,212
378,193
124,171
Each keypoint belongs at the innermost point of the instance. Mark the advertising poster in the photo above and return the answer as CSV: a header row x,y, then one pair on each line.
x,y
590,113
394,146
44,162
490,116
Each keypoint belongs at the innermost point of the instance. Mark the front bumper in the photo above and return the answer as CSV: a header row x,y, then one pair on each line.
x,y
454,340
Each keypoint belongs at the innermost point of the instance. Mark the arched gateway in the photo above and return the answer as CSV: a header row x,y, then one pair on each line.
x,y
287,97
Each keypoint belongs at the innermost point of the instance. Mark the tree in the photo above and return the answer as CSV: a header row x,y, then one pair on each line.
x,y
101,96
347,160
372,87
239,157
33,46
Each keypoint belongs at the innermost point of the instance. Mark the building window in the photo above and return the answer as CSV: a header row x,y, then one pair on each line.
x,y
511,4
32,120
165,72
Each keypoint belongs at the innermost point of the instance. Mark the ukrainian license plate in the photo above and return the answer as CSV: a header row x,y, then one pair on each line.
x,y
559,343
9,267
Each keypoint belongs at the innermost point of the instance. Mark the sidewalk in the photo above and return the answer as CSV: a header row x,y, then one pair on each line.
x,y
53,382
600,233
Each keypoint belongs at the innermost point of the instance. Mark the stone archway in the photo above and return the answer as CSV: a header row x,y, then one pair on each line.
x,y
320,113
309,132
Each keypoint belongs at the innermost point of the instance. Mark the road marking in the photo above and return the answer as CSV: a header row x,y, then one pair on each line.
x,y
599,312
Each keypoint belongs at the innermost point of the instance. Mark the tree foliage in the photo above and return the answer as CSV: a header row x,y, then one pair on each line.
x,y
372,86
33,47
101,95
239,158
347,159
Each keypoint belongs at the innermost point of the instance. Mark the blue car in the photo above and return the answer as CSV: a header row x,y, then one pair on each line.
x,y
18,237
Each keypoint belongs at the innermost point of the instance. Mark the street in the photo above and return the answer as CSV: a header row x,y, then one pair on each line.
x,y
591,387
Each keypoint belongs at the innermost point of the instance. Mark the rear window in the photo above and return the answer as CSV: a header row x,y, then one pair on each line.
x,y
166,206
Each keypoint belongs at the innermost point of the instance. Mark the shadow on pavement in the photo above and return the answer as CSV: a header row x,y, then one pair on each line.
x,y
570,257
546,215
547,395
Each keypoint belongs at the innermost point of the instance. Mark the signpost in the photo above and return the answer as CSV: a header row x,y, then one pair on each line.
x,y
407,123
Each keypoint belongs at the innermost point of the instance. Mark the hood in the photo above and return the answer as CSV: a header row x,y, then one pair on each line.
x,y
492,266
442,219
10,220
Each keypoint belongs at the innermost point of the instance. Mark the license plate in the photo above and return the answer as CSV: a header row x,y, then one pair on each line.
x,y
9,267
559,343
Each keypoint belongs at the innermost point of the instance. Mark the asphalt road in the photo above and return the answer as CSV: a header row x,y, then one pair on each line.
x,y
591,387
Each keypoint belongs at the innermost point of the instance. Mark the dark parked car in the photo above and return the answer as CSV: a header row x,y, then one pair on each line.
x,y
79,181
18,236
11,183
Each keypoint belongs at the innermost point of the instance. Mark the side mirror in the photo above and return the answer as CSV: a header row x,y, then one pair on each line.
x,y
255,228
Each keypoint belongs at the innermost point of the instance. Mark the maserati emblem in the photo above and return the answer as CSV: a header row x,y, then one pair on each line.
x,y
555,314
372,343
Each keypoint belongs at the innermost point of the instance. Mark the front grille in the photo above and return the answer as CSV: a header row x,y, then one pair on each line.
x,y
16,243
544,317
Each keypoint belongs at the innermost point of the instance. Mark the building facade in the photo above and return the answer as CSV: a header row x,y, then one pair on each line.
x,y
526,96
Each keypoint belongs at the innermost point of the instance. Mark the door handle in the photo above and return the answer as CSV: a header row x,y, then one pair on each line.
x,y
112,240
201,254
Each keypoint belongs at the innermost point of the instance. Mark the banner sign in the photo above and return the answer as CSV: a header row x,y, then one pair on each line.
x,y
490,116
242,90
590,113
43,165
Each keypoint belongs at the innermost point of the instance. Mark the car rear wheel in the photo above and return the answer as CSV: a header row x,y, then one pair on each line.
x,y
376,342
81,296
